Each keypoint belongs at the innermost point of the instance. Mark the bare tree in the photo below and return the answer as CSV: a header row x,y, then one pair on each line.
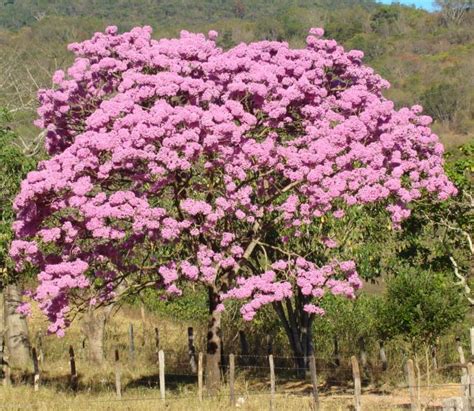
x,y
457,238
454,11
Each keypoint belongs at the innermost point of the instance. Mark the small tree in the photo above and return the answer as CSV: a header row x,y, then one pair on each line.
x,y
421,306
443,101
438,237
14,165
454,11
384,19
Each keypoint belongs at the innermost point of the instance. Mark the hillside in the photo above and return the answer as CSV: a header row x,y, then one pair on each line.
x,y
16,14
426,57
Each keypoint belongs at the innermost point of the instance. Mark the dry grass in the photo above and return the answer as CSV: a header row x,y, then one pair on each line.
x,y
96,389
450,139
49,398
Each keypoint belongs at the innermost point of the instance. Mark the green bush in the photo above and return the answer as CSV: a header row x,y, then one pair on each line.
x,y
420,306
442,101
14,165
191,306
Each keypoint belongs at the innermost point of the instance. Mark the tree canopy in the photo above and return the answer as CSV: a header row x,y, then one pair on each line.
x,y
176,161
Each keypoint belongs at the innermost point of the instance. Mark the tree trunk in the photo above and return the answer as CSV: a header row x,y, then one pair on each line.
x,y
297,328
1,335
214,344
309,340
244,348
2,319
93,326
16,329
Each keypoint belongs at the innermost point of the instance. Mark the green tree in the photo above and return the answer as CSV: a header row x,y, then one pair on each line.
x,y
438,236
421,306
268,28
442,101
384,19
454,11
14,165
226,42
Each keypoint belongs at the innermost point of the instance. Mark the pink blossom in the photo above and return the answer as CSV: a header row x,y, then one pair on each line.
x,y
171,151
24,309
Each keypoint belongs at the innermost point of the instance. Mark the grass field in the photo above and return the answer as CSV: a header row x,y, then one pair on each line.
x,y
50,398
140,382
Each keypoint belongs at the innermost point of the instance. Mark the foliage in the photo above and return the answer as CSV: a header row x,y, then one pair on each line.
x,y
348,320
442,101
420,306
460,166
437,237
454,11
191,306
18,13
14,165
384,19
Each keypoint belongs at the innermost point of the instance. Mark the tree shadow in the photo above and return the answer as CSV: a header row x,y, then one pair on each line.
x,y
172,381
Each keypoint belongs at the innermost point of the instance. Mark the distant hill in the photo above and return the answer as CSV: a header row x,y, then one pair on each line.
x,y
15,14
427,57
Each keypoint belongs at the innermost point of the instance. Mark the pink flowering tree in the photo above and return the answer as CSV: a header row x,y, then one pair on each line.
x,y
173,161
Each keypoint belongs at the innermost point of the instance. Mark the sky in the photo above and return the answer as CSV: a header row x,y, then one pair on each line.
x,y
424,4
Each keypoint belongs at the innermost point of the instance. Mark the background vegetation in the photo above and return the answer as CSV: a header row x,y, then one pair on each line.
x,y
426,56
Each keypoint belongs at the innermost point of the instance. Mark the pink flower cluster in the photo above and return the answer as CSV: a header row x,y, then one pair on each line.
x,y
338,278
260,289
170,152
55,283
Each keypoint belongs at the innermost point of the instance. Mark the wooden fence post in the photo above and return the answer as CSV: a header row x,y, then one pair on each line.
x,y
118,375
72,363
412,385
161,356
383,356
143,317
232,379
200,375
157,343
36,372
132,342
337,357
434,359
39,345
314,382
465,373
460,350
82,352
472,341
191,350
269,344
357,384
467,382
223,362
470,370
272,382
2,362
363,353
465,387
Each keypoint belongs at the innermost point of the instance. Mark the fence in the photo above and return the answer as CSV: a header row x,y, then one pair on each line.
x,y
271,369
